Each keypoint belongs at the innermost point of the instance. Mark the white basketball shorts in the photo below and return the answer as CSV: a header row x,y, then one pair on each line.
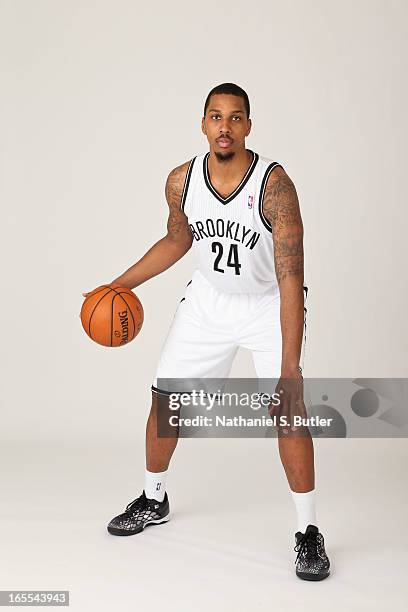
x,y
208,328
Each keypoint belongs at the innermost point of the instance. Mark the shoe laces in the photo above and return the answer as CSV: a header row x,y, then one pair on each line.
x,y
307,543
137,504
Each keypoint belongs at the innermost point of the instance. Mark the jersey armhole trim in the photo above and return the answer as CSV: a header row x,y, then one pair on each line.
x,y
186,183
268,171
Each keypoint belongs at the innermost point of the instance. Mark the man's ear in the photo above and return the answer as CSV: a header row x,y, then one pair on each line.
x,y
249,127
203,126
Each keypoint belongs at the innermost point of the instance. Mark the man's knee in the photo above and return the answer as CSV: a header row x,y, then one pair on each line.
x,y
164,416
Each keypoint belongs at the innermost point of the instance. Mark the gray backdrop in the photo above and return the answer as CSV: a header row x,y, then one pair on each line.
x,y
99,101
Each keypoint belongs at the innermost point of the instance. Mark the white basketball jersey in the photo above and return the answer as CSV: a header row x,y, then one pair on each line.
x,y
232,237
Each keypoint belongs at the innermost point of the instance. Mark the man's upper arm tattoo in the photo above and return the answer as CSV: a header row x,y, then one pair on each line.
x,y
177,221
281,208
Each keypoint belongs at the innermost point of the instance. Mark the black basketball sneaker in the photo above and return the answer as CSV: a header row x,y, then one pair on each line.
x,y
312,563
139,513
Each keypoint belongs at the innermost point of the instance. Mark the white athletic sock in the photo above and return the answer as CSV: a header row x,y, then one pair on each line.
x,y
305,504
155,485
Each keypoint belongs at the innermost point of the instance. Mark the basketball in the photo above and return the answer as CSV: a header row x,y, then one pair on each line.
x,y
112,316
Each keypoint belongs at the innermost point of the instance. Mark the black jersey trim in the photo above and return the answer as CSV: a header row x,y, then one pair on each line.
x,y
268,171
187,182
239,187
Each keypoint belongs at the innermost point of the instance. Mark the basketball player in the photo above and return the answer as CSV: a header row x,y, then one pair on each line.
x,y
240,211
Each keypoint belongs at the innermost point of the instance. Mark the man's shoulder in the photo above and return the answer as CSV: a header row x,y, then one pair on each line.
x,y
270,162
175,182
177,176
179,172
272,170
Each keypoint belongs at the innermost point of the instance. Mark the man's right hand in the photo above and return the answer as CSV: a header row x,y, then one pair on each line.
x,y
100,286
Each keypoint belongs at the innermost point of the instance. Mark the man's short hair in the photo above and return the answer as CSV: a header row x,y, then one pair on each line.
x,y
232,89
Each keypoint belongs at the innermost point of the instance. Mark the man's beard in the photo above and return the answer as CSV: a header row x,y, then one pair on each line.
x,y
223,157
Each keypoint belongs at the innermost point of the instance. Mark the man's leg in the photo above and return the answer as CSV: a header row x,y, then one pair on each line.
x,y
297,458
152,507
262,336
161,441
159,450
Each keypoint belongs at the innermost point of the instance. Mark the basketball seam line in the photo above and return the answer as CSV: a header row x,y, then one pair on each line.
x,y
131,314
94,308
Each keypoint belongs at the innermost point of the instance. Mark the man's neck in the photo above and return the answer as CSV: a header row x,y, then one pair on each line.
x,y
229,170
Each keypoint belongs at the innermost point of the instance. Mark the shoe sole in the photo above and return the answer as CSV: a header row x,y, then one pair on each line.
x,y
126,532
312,577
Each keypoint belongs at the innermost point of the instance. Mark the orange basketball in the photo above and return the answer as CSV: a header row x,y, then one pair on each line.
x,y
112,317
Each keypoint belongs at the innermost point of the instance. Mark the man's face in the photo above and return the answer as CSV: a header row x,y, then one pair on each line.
x,y
226,125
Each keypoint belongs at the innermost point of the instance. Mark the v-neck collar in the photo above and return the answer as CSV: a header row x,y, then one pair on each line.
x,y
239,188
